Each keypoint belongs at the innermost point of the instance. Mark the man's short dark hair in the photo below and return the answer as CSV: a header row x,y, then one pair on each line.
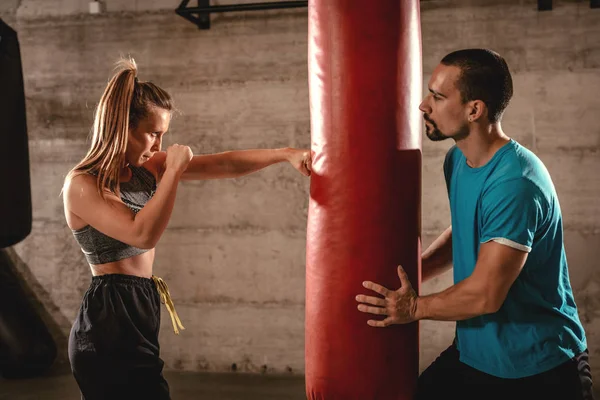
x,y
484,76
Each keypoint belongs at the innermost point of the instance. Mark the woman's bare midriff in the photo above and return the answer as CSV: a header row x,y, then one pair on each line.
x,y
140,265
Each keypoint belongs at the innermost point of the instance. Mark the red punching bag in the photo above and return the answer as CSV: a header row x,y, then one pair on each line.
x,y
365,77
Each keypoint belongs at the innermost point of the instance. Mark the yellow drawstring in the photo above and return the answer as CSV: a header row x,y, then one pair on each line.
x,y
165,298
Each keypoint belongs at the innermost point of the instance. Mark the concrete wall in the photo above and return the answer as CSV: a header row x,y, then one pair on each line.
x,y
233,254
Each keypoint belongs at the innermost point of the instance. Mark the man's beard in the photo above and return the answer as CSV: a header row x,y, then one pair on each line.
x,y
432,131
434,134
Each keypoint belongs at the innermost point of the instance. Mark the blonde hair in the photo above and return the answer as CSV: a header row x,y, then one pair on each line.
x,y
124,103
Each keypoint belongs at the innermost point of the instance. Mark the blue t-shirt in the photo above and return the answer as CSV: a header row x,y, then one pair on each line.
x,y
512,200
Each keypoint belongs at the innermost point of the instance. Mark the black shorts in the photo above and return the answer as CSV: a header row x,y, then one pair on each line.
x,y
448,377
113,345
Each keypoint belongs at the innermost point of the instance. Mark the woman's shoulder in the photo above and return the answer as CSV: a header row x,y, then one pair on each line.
x,y
79,181
75,178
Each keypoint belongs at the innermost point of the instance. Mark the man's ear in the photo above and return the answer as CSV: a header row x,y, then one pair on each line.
x,y
477,110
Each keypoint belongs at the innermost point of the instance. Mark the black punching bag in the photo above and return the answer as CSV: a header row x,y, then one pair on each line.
x,y
15,191
27,348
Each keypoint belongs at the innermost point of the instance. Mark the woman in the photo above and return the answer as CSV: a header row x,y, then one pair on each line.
x,y
118,201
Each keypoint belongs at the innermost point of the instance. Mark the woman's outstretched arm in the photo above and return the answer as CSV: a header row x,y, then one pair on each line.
x,y
236,163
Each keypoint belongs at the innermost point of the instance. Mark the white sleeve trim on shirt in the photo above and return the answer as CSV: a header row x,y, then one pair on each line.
x,y
510,243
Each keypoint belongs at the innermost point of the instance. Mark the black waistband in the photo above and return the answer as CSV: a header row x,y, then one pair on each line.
x,y
123,278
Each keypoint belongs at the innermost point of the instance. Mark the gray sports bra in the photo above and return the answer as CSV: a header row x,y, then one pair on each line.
x,y
99,248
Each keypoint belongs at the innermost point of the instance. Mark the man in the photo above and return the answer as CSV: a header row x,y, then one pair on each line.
x,y
517,322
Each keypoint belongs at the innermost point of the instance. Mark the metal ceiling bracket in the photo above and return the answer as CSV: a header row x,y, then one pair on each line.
x,y
204,9
202,20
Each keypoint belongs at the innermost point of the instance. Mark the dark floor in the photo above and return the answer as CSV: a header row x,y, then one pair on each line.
x,y
184,386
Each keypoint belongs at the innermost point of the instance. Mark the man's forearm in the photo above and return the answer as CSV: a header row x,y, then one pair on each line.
x,y
462,301
437,258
